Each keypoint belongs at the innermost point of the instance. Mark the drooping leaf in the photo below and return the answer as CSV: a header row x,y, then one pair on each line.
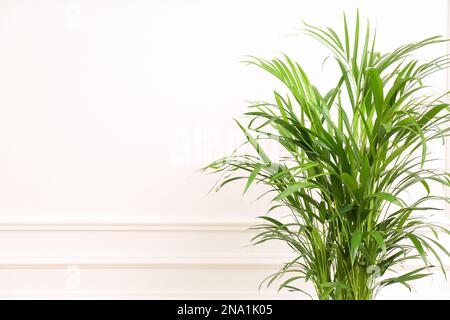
x,y
355,243
379,238
252,176
292,189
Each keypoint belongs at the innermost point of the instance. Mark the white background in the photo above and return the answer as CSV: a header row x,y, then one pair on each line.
x,y
107,109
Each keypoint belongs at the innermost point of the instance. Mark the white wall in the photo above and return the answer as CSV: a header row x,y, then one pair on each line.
x,y
106,110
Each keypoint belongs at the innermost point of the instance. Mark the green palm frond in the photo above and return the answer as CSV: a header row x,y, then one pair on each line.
x,y
350,157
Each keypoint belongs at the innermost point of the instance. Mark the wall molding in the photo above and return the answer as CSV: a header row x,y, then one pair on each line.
x,y
189,294
192,262
196,223
221,261
151,294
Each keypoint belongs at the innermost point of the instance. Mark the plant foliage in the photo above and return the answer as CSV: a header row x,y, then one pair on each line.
x,y
351,156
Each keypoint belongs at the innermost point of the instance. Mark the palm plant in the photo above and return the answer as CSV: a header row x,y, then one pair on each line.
x,y
351,155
